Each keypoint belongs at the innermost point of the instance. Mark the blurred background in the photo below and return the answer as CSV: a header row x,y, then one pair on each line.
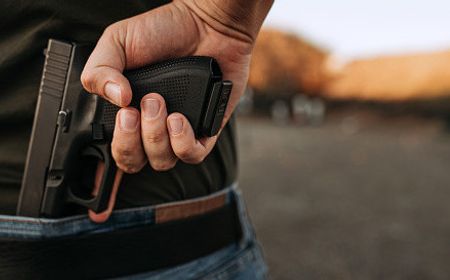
x,y
344,139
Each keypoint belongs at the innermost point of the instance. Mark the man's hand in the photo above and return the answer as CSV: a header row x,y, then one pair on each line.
x,y
223,29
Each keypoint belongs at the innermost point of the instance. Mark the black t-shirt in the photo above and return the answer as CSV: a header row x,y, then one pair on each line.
x,y
25,27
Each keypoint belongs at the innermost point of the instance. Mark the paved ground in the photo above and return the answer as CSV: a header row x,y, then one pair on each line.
x,y
360,197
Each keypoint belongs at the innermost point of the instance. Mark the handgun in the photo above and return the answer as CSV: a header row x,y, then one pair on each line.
x,y
72,128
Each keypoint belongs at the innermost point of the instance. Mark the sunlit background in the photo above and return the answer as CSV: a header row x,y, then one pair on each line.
x,y
352,28
344,139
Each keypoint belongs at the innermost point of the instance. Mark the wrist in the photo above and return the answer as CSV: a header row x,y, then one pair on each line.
x,y
236,18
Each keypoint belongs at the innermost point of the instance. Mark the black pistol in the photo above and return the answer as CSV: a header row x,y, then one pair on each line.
x,y
72,128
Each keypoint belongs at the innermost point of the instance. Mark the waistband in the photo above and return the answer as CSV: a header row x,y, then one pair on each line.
x,y
132,241
18,227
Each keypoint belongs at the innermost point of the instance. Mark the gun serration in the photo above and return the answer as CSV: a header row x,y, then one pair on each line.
x,y
57,60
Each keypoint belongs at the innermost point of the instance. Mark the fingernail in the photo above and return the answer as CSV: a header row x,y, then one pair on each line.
x,y
175,126
128,120
151,108
112,91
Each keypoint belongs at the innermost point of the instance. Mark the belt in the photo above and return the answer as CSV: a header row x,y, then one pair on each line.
x,y
181,233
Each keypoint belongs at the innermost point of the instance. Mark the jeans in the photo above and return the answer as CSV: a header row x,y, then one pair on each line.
x,y
242,260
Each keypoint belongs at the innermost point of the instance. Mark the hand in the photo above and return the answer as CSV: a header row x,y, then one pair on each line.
x,y
178,29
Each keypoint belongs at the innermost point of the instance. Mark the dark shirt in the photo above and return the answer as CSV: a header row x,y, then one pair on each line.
x,y
25,27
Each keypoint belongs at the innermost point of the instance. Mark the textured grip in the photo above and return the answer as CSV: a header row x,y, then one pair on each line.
x,y
109,117
184,83
173,89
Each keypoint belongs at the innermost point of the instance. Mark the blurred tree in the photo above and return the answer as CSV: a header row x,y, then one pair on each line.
x,y
284,63
393,78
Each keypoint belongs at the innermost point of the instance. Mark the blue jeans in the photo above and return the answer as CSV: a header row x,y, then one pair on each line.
x,y
242,260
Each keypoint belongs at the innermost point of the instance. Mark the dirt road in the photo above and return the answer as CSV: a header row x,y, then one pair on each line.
x,y
360,197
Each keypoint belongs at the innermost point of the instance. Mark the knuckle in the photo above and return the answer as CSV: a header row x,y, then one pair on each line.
x,y
123,150
126,159
115,30
154,137
187,155
195,159
110,29
184,152
128,168
87,80
128,164
163,165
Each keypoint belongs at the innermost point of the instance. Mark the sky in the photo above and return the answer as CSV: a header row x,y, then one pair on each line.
x,y
352,28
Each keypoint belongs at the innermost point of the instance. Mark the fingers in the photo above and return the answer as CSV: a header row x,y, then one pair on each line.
x,y
164,139
155,138
109,83
102,73
126,145
184,144
103,216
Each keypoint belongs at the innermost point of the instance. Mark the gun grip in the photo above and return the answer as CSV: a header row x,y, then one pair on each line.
x,y
99,202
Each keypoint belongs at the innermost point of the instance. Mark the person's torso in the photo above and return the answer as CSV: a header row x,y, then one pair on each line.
x,y
25,28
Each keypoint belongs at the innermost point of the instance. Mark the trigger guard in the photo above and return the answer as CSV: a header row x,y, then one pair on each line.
x,y
93,152
100,201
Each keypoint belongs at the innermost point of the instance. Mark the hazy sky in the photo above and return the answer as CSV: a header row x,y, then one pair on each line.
x,y
352,28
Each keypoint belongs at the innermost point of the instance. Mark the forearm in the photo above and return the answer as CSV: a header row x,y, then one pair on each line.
x,y
238,18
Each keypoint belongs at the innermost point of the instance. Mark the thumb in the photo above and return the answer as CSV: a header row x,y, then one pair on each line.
x,y
102,73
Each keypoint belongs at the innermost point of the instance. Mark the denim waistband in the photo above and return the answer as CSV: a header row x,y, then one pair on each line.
x,y
42,228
